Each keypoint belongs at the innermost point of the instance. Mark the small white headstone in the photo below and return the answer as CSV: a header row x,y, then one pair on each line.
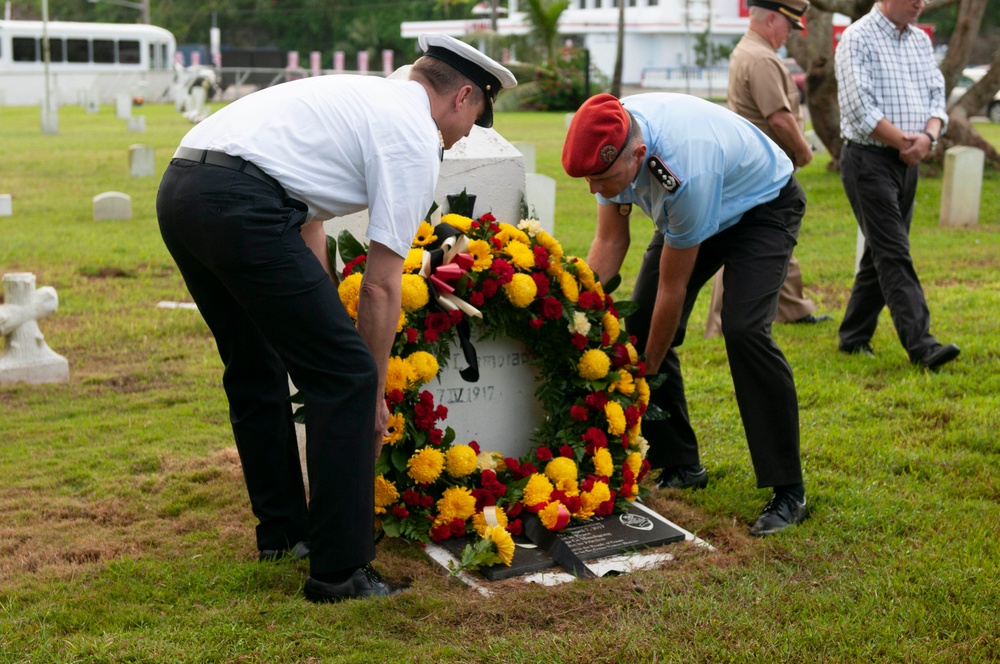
x,y
90,100
569,118
499,411
112,205
50,119
123,106
527,150
26,357
962,187
541,197
141,161
137,123
6,205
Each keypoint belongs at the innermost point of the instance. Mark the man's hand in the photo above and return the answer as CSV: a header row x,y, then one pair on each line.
x,y
917,147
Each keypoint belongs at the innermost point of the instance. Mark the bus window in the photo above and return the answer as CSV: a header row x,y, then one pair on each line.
x,y
104,51
24,49
77,50
57,50
128,52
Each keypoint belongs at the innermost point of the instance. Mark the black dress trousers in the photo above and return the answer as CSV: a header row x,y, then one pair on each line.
x,y
755,253
275,313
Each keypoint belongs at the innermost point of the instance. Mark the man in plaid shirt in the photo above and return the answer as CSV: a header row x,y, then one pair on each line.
x,y
892,111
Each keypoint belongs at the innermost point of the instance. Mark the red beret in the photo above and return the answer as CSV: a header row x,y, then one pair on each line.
x,y
596,136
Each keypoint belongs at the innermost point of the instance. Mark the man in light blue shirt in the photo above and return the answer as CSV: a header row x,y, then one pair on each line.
x,y
720,193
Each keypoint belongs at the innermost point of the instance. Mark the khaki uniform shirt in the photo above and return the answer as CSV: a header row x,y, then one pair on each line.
x,y
760,85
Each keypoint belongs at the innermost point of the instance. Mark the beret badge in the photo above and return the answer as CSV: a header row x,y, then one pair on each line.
x,y
609,153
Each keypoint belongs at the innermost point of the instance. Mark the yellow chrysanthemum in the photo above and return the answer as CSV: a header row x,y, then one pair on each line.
x,y
399,375
633,354
642,387
479,521
508,233
503,542
521,290
414,260
425,234
616,417
425,465
401,323
385,494
483,255
394,429
349,291
610,324
604,465
592,499
594,364
551,245
634,434
425,366
413,292
457,502
634,462
625,384
457,221
549,515
460,460
521,255
538,490
569,286
585,274
560,469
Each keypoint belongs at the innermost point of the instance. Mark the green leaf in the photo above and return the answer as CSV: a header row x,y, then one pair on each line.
x,y
331,255
350,248
399,458
612,284
626,307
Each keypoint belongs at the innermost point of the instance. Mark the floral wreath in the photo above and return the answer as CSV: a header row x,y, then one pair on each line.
x,y
587,456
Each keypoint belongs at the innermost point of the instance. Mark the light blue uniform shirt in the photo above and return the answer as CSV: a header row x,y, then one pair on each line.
x,y
721,165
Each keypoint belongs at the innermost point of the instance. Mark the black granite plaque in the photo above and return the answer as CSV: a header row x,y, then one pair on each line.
x,y
598,538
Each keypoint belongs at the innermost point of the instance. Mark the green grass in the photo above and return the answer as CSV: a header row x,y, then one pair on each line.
x,y
125,534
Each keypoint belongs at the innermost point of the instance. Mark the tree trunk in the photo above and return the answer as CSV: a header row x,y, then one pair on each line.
x,y
970,16
821,84
616,80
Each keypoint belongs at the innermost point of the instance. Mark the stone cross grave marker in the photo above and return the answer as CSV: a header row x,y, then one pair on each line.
x,y
26,357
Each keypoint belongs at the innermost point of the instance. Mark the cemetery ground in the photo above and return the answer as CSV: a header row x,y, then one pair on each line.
x,y
125,532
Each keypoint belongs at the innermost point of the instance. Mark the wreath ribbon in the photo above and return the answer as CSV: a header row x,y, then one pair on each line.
x,y
445,260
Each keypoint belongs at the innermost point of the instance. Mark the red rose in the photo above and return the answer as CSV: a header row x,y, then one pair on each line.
x,y
619,356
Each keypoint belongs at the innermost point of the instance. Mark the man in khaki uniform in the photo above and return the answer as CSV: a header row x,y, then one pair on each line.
x,y
762,91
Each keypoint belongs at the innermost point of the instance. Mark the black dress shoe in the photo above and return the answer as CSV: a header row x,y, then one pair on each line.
x,y
810,319
683,477
938,355
860,349
780,512
298,552
365,582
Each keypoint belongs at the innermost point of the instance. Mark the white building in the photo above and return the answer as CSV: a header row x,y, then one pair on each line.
x,y
660,35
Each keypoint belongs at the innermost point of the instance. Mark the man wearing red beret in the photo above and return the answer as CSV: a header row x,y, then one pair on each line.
x,y
720,193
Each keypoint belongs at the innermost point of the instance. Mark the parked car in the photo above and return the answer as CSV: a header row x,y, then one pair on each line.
x,y
969,76
798,77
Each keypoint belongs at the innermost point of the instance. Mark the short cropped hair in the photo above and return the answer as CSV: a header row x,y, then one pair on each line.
x,y
443,78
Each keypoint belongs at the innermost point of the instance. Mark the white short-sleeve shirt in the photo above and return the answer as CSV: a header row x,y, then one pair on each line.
x,y
339,144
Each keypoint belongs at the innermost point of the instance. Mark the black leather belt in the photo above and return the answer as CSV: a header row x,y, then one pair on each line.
x,y
873,148
224,160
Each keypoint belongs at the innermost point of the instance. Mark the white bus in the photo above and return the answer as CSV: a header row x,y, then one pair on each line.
x,y
87,61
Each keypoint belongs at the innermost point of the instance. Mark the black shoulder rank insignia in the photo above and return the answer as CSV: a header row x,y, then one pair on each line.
x,y
662,174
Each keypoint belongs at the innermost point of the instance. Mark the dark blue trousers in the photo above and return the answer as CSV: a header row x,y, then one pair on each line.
x,y
755,253
275,313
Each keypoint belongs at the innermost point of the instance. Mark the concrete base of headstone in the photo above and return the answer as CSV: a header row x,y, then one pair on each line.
x,y
26,358
6,205
141,161
137,123
962,187
112,205
592,535
541,197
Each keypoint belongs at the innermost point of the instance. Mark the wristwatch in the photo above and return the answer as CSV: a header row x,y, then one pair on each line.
x,y
933,140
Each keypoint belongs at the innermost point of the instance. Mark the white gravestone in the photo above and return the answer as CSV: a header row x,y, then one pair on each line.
x,y
26,357
541,198
6,205
112,205
528,151
141,161
123,106
962,187
137,123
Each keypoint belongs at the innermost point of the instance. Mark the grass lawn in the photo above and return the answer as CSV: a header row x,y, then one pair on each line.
x,y
126,535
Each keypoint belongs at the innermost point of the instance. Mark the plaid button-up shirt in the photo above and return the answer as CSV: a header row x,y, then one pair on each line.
x,y
885,73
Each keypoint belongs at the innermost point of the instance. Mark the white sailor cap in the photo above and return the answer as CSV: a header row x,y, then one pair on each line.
x,y
489,75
